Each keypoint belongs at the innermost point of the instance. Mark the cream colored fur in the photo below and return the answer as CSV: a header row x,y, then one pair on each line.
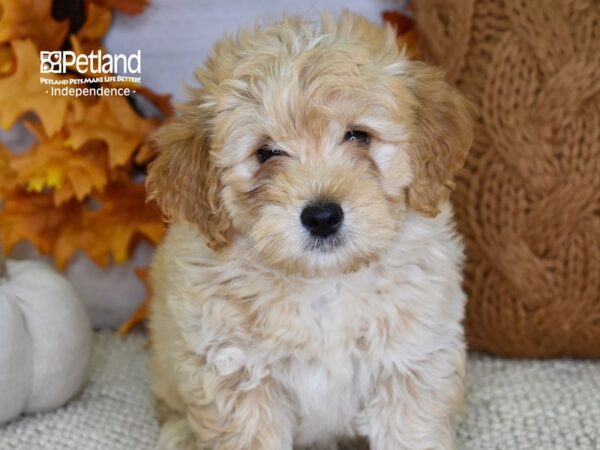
x,y
262,343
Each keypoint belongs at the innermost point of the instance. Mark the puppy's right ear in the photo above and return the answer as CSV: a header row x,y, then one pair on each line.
x,y
185,183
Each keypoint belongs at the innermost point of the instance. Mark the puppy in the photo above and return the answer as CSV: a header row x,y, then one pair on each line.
x,y
309,287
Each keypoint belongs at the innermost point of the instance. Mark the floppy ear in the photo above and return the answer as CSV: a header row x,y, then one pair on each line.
x,y
441,136
185,183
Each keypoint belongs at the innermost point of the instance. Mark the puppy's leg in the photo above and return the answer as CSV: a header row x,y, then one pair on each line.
x,y
231,417
416,411
176,434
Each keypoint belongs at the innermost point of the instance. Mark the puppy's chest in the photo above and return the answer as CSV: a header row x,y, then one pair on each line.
x,y
328,393
323,318
328,368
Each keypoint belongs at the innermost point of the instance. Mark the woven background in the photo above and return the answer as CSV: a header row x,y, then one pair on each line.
x,y
528,200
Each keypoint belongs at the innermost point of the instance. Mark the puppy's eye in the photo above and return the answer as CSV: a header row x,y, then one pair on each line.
x,y
265,153
357,136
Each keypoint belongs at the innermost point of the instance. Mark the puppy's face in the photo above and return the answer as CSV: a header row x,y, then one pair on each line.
x,y
310,144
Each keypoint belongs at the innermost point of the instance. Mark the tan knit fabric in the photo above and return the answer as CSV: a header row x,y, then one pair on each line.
x,y
528,201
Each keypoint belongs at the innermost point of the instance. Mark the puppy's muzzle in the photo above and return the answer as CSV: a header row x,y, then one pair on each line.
x,y
322,219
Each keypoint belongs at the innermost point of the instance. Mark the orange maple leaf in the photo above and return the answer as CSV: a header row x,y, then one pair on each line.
x,y
147,150
35,218
22,92
84,47
145,153
114,121
161,101
96,24
8,177
126,6
50,164
105,232
405,30
80,196
123,218
32,19
143,311
7,60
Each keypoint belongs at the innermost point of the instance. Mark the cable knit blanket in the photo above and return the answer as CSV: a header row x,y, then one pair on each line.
x,y
527,199
511,404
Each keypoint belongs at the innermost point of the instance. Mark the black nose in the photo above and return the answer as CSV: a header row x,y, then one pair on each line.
x,y
322,219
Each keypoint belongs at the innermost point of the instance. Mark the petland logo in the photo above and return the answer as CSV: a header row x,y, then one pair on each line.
x,y
95,62
95,68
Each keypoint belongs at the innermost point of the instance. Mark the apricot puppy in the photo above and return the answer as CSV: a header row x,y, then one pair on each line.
x,y
309,287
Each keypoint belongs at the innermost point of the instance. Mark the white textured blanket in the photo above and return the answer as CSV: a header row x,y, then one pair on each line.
x,y
524,405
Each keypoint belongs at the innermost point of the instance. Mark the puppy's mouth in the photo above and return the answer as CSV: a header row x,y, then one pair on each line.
x,y
324,245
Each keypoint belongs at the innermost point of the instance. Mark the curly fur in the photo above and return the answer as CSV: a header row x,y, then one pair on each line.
x,y
263,342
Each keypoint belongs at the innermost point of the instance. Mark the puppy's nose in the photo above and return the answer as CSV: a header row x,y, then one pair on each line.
x,y
322,219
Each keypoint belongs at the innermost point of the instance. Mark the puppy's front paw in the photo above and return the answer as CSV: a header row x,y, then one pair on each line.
x,y
175,434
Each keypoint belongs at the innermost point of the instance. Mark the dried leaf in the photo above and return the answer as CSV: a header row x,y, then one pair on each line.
x,y
7,60
114,121
405,30
143,311
22,92
126,6
85,47
409,41
124,217
146,153
81,197
162,102
107,233
402,23
50,164
97,23
8,176
137,318
31,19
35,218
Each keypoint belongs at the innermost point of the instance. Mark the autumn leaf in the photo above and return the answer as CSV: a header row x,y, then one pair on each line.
x,y
111,232
399,21
112,227
97,23
7,60
405,30
131,7
114,121
85,47
31,19
124,216
51,164
162,102
143,311
35,218
22,92
8,177
146,153
72,190
147,150
107,233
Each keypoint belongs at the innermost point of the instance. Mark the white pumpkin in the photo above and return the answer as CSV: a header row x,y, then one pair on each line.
x,y
45,339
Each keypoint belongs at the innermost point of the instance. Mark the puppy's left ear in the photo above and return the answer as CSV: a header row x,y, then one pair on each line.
x,y
441,136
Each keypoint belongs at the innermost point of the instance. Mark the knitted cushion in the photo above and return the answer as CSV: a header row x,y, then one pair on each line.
x,y
528,200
